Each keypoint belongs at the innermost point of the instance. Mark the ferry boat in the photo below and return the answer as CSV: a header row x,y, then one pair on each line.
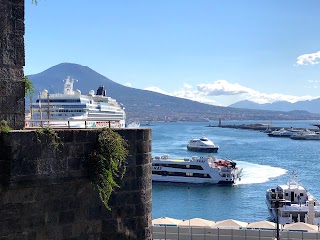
x,y
294,203
205,170
202,144
73,109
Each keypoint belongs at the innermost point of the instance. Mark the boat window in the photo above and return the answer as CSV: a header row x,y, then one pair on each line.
x,y
181,166
181,174
301,194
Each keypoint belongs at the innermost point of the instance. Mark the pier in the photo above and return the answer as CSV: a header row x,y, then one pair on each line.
x,y
262,127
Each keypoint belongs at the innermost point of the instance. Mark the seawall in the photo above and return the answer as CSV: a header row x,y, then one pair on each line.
x,y
46,194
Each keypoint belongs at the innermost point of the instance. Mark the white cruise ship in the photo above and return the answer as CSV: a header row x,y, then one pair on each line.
x,y
72,109
206,170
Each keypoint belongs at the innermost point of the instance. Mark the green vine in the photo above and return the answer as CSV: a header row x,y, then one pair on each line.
x,y
106,164
4,127
51,135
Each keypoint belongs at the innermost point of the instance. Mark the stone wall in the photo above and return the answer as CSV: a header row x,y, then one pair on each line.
x,y
12,103
46,194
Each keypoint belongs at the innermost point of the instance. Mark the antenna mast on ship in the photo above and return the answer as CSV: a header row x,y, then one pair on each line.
x,y
68,86
40,110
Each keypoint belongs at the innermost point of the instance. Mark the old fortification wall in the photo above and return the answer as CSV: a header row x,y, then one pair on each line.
x,y
12,103
45,193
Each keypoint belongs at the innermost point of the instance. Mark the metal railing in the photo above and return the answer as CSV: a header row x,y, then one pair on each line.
x,y
207,233
71,123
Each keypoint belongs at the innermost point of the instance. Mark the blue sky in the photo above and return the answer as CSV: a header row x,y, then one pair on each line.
x,y
213,51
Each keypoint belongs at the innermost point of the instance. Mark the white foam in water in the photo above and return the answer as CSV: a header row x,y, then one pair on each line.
x,y
256,173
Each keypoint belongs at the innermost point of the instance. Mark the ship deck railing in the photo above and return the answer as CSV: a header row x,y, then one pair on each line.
x,y
298,208
70,123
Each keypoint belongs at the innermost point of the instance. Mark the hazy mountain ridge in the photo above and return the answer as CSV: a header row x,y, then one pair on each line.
x,y
311,106
147,105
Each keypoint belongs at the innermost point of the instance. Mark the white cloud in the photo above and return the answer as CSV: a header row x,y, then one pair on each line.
x,y
193,95
186,93
158,90
128,84
188,86
307,59
222,88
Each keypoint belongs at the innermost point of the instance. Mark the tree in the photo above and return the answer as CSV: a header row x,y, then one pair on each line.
x,y
29,91
28,88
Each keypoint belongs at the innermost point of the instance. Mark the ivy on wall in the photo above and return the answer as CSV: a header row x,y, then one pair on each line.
x,y
106,163
4,127
51,135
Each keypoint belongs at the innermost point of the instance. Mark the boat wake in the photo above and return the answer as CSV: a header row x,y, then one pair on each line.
x,y
256,173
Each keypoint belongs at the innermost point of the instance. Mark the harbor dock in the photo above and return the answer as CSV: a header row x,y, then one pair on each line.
x,y
261,127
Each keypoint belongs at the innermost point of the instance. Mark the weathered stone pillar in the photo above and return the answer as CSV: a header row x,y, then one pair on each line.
x,y
12,93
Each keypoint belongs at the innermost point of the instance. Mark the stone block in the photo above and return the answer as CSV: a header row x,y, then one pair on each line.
x,y
143,209
92,136
24,167
80,136
144,134
143,147
17,12
75,150
66,217
67,232
5,168
5,154
94,213
142,159
65,135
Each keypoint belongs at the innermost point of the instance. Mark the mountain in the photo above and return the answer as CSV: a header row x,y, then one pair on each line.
x,y
145,105
309,105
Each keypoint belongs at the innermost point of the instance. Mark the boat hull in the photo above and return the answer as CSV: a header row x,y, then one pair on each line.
x,y
207,150
168,179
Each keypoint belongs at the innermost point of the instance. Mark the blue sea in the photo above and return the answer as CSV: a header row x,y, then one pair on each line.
x,y
266,162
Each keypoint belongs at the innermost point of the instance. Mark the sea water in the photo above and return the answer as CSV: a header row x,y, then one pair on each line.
x,y
266,162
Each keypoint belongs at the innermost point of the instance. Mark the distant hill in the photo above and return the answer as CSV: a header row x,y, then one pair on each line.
x,y
309,106
146,105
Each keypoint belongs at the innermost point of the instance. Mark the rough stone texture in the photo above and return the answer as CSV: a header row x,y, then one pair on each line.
x,y
12,60
46,194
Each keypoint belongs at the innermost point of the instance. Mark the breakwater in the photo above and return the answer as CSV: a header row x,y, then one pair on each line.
x,y
260,127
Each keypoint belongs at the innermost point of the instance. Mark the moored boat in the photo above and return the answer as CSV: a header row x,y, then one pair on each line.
x,y
306,135
202,144
206,170
293,202
284,132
